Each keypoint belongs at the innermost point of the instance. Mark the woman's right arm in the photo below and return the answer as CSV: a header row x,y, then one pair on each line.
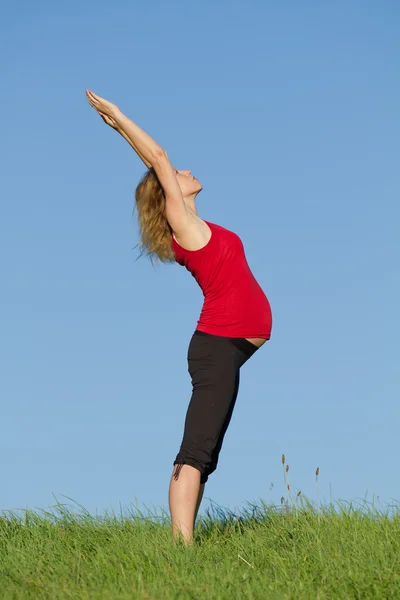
x,y
126,138
142,143
154,155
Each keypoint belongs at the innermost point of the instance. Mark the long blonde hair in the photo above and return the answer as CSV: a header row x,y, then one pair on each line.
x,y
155,231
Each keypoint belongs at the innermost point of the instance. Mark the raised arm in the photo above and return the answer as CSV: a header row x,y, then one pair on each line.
x,y
153,156
130,142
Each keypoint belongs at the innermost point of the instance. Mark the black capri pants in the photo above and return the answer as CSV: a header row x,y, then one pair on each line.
x,y
214,364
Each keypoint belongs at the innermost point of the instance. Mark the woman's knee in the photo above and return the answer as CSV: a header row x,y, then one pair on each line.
x,y
205,460
199,458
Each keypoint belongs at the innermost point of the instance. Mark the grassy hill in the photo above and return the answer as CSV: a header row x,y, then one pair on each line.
x,y
292,551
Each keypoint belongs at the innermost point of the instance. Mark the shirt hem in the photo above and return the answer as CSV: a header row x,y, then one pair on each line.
x,y
211,331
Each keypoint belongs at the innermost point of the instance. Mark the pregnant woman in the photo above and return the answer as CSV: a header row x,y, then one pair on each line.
x,y
235,320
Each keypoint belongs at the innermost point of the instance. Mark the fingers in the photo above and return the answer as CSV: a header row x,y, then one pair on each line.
x,y
93,103
103,107
91,98
95,99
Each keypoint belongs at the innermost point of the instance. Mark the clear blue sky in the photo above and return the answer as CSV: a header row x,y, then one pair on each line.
x,y
289,115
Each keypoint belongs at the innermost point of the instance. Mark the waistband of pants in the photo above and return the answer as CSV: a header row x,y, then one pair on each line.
x,y
241,343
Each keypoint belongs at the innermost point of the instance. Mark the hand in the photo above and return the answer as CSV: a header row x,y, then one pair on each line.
x,y
107,110
109,120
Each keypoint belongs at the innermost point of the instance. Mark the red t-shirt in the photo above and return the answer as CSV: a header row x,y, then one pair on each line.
x,y
234,303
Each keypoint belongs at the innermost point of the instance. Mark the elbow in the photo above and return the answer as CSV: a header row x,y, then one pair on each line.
x,y
159,154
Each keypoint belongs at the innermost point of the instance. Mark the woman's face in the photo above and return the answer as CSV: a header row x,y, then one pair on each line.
x,y
188,183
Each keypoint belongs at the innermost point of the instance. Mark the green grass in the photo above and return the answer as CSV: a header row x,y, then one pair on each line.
x,y
292,551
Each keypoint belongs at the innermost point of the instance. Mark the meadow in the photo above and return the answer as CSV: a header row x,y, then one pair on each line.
x,y
297,550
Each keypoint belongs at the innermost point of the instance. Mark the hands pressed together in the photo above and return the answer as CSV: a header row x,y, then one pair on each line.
x,y
144,146
106,109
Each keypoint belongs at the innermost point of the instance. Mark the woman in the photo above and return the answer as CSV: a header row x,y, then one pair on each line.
x,y
235,320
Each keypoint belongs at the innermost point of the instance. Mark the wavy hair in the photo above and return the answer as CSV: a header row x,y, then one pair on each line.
x,y
155,231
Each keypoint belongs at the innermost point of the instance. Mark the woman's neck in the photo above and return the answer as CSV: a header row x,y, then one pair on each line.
x,y
191,207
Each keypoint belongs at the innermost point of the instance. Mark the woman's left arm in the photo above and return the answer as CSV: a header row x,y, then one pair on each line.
x,y
125,136
111,115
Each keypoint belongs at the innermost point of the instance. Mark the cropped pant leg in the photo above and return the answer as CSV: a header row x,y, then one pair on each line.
x,y
214,364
